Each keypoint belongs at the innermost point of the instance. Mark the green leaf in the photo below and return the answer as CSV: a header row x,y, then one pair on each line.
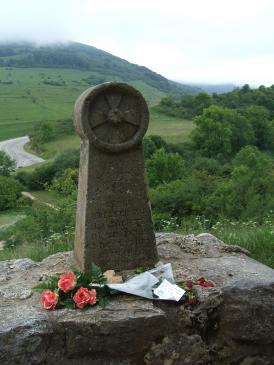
x,y
50,283
41,287
95,270
103,301
69,304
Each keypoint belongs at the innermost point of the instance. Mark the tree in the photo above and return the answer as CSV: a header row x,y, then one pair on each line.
x,y
201,102
38,178
221,132
42,133
259,118
7,165
149,147
67,159
67,183
187,196
250,189
10,190
213,133
164,167
242,131
159,142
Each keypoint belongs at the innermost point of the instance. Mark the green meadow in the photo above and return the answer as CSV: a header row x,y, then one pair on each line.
x,y
31,95
172,129
9,217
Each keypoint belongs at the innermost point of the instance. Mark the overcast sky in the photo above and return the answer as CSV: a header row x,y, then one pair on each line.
x,y
211,41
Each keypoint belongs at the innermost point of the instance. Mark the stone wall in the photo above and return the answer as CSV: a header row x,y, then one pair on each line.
x,y
232,324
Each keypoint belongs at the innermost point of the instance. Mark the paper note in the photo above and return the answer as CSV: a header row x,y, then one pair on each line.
x,y
168,291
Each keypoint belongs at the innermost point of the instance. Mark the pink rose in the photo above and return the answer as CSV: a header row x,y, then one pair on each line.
x,y
92,300
67,282
49,300
83,297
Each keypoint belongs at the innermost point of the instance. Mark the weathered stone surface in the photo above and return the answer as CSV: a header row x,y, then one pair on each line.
x,y
179,349
113,224
232,325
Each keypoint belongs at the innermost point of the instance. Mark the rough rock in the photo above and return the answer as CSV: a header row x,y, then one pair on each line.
x,y
233,324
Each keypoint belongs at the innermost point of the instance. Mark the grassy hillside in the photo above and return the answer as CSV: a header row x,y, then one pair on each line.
x,y
42,83
79,56
173,130
29,95
9,217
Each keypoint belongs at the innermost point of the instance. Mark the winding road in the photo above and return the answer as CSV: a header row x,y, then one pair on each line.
x,y
15,149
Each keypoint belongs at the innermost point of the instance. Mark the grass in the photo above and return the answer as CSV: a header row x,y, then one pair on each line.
x,y
28,100
35,250
42,231
257,238
172,129
45,196
58,145
9,217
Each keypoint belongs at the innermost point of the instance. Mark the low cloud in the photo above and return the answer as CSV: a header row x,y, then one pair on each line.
x,y
208,41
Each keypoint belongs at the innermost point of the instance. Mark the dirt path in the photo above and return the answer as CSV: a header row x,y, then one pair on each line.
x,y
33,198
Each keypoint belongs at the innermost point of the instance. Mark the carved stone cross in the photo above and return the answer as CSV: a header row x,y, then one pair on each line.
x,y
113,223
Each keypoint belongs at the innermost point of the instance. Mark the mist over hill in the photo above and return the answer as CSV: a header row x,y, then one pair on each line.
x,y
72,55
216,88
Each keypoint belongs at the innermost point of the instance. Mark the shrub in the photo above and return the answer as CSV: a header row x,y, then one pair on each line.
x,y
10,190
66,184
164,167
68,159
43,175
42,133
7,165
38,178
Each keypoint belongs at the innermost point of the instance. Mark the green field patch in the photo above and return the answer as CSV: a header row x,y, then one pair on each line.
x,y
172,129
32,95
45,196
9,217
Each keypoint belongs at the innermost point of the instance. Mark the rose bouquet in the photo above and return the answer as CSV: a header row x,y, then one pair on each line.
x,y
79,290
74,290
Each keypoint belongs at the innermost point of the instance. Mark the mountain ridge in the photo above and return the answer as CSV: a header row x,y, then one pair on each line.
x,y
88,58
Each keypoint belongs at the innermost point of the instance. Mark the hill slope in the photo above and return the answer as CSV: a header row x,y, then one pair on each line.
x,y
87,58
42,83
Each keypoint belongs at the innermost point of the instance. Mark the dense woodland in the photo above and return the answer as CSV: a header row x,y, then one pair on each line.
x,y
221,176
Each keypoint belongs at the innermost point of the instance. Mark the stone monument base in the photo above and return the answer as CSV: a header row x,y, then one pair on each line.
x,y
232,325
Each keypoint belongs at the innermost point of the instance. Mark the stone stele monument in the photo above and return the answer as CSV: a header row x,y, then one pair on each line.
x,y
113,224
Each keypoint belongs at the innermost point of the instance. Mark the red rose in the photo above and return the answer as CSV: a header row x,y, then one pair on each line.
x,y
49,299
201,280
189,283
84,297
208,284
193,301
92,300
205,283
67,282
